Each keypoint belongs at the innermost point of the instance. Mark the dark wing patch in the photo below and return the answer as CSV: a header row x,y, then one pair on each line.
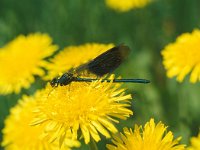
x,y
106,62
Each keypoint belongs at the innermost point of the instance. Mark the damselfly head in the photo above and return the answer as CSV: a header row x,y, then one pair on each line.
x,y
54,82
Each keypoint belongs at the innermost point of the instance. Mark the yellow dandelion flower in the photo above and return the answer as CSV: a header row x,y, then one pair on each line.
x,y
19,135
152,137
72,56
195,143
89,107
23,58
183,56
126,5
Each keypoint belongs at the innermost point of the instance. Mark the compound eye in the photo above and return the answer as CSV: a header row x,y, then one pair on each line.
x,y
53,82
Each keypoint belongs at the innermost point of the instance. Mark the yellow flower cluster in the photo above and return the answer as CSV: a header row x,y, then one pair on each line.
x,y
92,108
152,137
19,135
55,118
183,56
126,5
74,56
23,58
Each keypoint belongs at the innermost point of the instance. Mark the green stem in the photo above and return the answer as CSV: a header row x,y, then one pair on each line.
x,y
93,145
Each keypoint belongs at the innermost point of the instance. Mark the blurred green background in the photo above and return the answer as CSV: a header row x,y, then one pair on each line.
x,y
146,31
